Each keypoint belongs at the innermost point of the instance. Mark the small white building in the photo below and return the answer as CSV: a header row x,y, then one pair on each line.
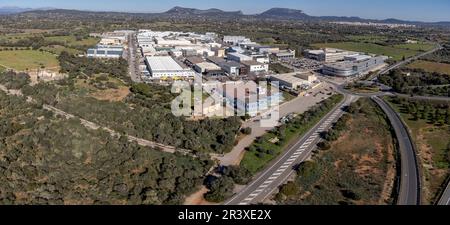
x,y
255,67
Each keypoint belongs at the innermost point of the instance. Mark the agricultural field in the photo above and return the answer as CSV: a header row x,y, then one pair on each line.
x,y
21,60
394,52
432,67
432,140
358,167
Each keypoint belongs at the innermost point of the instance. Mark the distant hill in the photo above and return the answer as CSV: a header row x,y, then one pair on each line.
x,y
285,13
7,10
193,12
216,14
12,10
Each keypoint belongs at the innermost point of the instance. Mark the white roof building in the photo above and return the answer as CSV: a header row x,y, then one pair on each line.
x,y
166,66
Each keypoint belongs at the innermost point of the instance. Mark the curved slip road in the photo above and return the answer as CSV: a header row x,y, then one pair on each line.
x,y
409,190
445,198
282,168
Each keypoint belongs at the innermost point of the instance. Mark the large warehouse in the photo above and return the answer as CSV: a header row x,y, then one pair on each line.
x,y
166,66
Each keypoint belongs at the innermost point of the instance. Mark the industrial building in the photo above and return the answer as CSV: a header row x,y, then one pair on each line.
x,y
232,68
295,81
208,69
238,57
328,54
166,66
353,68
105,51
255,67
248,98
284,55
235,39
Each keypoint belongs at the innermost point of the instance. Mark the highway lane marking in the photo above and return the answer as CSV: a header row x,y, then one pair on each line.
x,y
281,170
289,162
277,174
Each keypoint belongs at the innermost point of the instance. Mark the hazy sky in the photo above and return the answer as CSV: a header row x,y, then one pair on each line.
x,y
422,10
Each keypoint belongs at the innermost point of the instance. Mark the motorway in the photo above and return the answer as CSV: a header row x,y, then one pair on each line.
x,y
445,198
406,61
409,189
282,168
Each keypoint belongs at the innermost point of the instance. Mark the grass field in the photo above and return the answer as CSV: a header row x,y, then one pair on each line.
x,y
57,49
421,46
431,66
22,60
431,141
358,169
15,37
72,41
395,53
367,38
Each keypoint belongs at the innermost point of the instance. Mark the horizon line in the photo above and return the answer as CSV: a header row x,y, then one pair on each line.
x,y
45,8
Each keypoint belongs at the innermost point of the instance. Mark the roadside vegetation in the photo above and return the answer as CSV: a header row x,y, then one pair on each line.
x,y
429,124
278,68
417,82
269,146
355,164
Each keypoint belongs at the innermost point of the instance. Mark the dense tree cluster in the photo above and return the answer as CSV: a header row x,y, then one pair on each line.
x,y
416,81
82,66
437,113
45,160
441,56
12,80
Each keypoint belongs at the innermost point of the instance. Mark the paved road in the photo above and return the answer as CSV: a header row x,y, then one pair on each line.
x,y
445,198
133,58
409,189
282,168
406,61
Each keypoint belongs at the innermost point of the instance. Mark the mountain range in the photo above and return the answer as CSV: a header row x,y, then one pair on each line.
x,y
7,10
271,14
